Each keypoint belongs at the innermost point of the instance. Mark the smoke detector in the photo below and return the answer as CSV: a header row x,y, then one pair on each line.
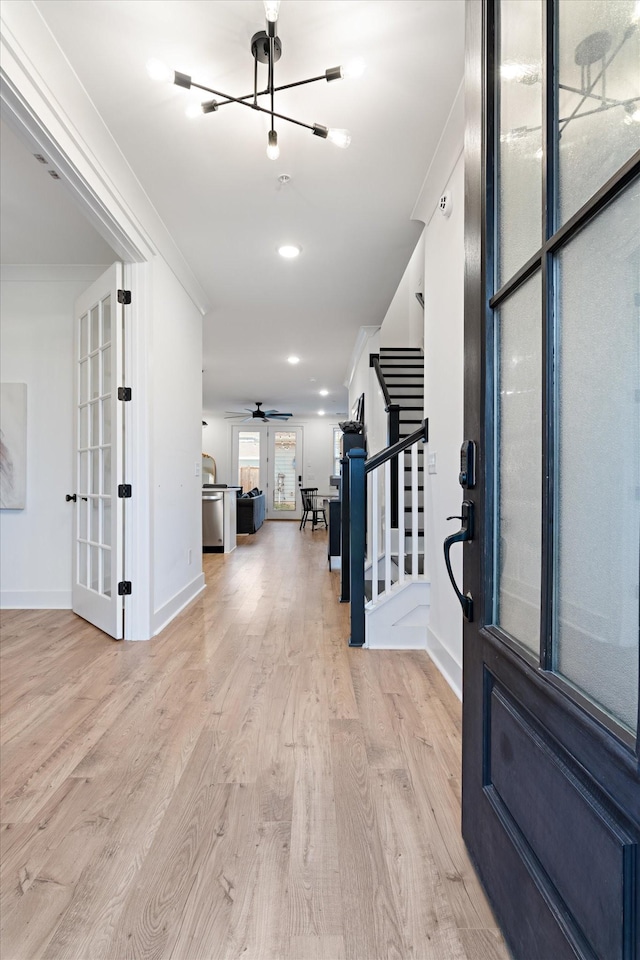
x,y
445,204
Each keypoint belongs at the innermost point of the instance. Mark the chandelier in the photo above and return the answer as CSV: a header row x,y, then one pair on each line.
x,y
266,48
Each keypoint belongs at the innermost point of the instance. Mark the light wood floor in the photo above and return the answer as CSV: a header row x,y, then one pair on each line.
x,y
242,786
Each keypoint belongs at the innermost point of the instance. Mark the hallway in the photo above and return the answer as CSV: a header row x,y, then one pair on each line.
x,y
244,785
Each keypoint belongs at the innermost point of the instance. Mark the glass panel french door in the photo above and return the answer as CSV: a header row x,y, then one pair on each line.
x,y
269,457
551,781
98,546
285,465
251,459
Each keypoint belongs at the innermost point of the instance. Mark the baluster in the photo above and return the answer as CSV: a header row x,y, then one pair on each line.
x,y
414,510
401,563
375,528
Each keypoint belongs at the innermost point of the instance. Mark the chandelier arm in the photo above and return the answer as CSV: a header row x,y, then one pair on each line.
x,y
607,63
588,113
606,101
251,106
299,83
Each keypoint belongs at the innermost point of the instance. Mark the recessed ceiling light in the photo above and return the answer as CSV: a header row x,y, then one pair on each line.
x,y
321,413
293,359
324,393
289,251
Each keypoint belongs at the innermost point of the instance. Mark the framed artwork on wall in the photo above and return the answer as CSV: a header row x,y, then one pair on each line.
x,y
13,446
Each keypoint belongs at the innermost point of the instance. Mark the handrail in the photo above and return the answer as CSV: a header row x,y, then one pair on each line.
x,y
374,360
422,433
357,469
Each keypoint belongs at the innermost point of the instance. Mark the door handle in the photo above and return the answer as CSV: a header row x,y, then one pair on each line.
x,y
71,496
464,533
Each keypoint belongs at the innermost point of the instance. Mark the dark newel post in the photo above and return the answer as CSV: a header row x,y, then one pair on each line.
x,y
356,472
345,593
393,435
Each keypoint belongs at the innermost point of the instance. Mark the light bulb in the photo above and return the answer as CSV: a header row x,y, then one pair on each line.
x,y
271,8
321,413
353,69
193,111
527,73
324,393
159,71
293,360
289,251
341,138
632,111
273,150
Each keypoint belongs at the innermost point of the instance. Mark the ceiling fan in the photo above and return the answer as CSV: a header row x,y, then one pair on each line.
x,y
258,414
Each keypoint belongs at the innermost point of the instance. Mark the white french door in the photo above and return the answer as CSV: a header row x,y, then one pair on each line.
x,y
285,466
269,457
98,530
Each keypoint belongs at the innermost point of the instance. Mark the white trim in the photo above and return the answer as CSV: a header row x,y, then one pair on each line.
x,y
447,153
364,335
173,607
450,670
138,535
35,600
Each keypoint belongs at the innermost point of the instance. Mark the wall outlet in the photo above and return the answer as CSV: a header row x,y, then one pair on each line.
x,y
431,463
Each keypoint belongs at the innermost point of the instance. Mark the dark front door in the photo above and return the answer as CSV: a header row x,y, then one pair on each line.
x,y
551,785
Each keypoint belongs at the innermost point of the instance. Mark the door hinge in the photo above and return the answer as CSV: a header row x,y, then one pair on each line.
x,y
124,296
124,393
124,490
124,588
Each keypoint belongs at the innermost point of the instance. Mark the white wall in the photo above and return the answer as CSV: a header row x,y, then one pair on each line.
x,y
216,441
444,357
175,398
403,322
36,330
318,453
362,379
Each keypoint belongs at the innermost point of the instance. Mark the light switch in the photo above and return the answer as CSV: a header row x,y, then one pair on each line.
x,y
431,463
197,470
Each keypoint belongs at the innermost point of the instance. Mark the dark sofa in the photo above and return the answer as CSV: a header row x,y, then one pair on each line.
x,y
250,511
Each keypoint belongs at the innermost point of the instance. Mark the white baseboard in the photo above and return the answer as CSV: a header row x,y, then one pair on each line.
x,y
173,607
450,670
35,600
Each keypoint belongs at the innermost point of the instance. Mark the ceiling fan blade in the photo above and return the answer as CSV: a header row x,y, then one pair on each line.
x,y
280,416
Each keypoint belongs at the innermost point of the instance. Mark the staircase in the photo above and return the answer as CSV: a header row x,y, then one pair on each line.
x,y
403,372
393,608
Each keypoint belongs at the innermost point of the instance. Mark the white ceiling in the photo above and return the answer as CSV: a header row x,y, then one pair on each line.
x,y
219,195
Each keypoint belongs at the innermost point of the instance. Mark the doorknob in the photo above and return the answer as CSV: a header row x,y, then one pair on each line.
x,y
464,533
71,496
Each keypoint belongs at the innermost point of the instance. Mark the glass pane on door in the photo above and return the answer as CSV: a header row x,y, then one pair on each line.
x,y
284,489
519,465
598,95
94,449
519,160
598,539
249,460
